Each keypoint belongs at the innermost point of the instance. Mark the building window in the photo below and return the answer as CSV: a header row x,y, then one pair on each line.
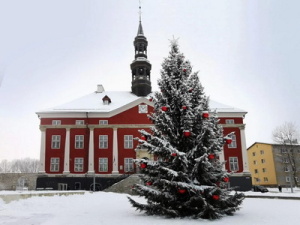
x,y
263,160
79,122
256,171
262,152
103,122
287,179
254,162
257,179
78,165
128,165
266,179
229,121
103,141
233,143
79,141
283,151
56,122
143,108
285,160
55,143
103,164
264,170
253,153
286,169
233,164
54,164
128,141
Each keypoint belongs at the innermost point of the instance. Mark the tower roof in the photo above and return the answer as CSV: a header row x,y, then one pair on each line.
x,y
140,30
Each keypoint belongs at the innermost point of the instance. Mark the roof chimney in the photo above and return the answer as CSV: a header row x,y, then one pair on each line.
x,y
100,88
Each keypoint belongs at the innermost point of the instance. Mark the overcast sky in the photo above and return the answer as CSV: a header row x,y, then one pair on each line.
x,y
52,51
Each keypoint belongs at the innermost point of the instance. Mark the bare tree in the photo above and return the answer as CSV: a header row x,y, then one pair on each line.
x,y
26,165
287,135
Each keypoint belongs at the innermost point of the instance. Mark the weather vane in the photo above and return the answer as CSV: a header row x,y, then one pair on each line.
x,y
140,10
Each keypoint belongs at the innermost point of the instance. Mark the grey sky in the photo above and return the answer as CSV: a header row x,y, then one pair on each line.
x,y
246,52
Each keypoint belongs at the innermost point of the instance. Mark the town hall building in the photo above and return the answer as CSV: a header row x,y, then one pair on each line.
x,y
89,143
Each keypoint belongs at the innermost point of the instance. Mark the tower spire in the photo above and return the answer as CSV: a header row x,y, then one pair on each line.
x,y
140,67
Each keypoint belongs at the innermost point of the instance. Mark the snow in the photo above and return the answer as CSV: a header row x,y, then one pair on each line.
x,y
114,209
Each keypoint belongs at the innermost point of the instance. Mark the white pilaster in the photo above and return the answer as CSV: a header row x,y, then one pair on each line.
x,y
244,150
222,159
67,153
43,152
115,152
91,169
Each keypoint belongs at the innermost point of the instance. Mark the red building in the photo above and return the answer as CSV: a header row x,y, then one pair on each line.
x,y
93,136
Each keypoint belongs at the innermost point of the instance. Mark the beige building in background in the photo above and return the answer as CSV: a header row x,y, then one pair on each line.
x,y
269,164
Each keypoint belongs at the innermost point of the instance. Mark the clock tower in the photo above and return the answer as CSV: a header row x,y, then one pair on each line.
x,y
140,67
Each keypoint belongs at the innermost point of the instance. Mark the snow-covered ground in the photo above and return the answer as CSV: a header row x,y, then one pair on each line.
x,y
114,209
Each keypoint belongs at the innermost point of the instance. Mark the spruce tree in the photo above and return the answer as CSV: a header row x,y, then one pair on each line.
x,y
186,179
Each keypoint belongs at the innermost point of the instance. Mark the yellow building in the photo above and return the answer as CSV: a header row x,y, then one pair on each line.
x,y
269,164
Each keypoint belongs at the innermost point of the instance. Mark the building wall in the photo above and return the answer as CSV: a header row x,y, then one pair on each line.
x,y
261,164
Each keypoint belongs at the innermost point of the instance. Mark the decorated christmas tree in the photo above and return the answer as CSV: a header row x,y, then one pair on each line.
x,y
186,178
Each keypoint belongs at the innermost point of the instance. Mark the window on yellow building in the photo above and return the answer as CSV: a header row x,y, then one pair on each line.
x,y
263,160
254,162
262,152
265,179
256,171
264,170
253,153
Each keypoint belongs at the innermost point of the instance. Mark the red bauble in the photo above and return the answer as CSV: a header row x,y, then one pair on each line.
x,y
205,114
181,191
143,138
184,107
228,141
174,154
149,183
186,133
184,70
191,90
143,165
215,197
226,179
164,108
211,156
150,99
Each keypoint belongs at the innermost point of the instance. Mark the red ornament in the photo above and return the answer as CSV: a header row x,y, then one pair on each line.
x,y
211,156
215,197
226,179
143,165
191,90
181,191
174,154
150,99
164,108
205,114
228,141
186,133
149,183
184,107
143,138
184,70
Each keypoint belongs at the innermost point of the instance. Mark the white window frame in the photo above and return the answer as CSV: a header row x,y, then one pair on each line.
x,y
103,164
229,121
79,122
288,179
143,108
56,122
103,141
79,141
286,169
78,164
233,163
103,122
128,165
55,142
128,141
54,164
233,143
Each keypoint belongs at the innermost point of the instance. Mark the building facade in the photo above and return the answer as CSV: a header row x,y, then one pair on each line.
x,y
270,164
94,136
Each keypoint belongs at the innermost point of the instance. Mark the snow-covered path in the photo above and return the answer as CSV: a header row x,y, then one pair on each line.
x,y
114,209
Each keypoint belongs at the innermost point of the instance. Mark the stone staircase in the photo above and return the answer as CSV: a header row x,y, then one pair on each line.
x,y
125,185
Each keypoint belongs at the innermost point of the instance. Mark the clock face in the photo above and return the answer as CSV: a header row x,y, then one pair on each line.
x,y
143,108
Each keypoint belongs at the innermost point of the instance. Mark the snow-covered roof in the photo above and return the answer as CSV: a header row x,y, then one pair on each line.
x,y
120,101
